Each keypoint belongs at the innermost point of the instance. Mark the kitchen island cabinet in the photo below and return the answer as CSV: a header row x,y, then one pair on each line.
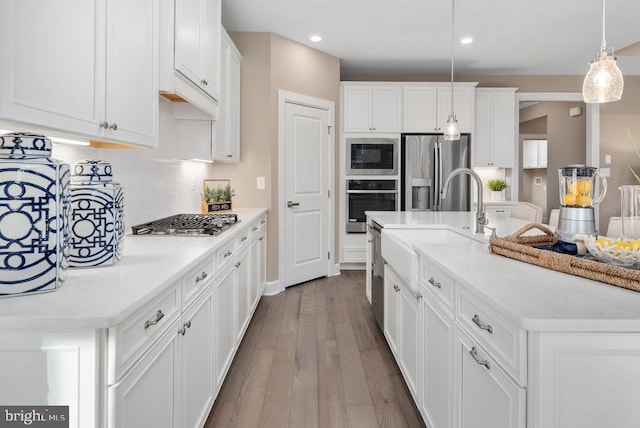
x,y
83,69
148,340
509,344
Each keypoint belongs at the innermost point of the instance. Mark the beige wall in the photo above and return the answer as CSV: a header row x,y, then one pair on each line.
x,y
271,63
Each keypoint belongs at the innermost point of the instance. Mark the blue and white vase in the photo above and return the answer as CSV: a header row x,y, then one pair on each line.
x,y
34,213
97,215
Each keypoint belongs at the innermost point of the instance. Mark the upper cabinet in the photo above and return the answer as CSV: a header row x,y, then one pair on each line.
x,y
427,106
190,52
81,68
495,133
534,153
372,108
226,144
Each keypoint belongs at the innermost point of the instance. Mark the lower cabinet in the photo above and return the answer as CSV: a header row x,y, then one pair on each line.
x,y
224,325
242,284
147,395
438,335
402,317
487,397
259,266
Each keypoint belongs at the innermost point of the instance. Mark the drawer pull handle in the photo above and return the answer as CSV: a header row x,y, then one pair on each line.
x,y
159,316
261,238
263,221
254,228
395,287
182,331
227,254
476,320
188,324
202,276
435,283
244,238
418,297
474,354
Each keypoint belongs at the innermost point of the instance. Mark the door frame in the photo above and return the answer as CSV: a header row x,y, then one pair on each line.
x,y
285,97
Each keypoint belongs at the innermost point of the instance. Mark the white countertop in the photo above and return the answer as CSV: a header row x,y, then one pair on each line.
x,y
102,297
533,297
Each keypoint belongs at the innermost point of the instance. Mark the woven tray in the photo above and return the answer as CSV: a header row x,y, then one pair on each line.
x,y
520,247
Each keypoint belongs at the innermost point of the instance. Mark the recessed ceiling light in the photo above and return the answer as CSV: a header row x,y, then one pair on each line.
x,y
315,38
466,40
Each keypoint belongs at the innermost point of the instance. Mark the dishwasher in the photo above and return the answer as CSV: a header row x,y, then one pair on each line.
x,y
377,275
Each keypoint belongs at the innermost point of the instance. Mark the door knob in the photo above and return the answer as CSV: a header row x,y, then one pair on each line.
x,y
292,204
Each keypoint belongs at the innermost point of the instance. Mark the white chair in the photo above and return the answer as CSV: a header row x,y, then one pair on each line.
x,y
527,211
614,229
553,217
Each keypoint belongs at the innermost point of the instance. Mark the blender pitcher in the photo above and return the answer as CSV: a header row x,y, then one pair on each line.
x,y
577,186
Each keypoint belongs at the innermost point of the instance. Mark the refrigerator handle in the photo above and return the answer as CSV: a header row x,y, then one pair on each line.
x,y
436,176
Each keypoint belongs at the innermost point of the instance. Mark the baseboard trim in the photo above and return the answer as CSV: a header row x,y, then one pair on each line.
x,y
352,266
271,288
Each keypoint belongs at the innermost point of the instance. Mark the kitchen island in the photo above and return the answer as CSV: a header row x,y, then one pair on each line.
x,y
141,343
487,341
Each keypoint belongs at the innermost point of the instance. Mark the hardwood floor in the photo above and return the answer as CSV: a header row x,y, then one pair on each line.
x,y
314,356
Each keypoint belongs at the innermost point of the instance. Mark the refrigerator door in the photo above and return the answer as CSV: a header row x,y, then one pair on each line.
x,y
454,154
419,182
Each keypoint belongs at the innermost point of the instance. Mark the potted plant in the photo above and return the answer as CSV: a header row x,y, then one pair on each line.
x,y
497,187
216,195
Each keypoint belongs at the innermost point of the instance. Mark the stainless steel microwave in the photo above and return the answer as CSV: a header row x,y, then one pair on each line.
x,y
372,156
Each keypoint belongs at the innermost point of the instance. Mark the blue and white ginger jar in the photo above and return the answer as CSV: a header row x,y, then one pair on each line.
x,y
97,215
34,213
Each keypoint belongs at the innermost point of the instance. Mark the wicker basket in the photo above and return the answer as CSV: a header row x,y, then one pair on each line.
x,y
519,247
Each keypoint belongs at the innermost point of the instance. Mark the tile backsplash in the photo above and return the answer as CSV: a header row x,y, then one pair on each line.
x,y
155,185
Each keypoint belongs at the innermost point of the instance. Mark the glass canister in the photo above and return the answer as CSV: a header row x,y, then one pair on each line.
x,y
34,213
97,215
577,185
630,211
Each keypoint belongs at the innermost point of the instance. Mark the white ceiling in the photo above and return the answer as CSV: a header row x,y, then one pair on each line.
x,y
413,36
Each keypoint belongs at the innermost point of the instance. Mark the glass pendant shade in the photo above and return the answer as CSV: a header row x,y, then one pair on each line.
x,y
604,82
452,130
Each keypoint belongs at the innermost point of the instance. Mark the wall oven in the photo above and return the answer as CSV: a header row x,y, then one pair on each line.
x,y
368,195
372,156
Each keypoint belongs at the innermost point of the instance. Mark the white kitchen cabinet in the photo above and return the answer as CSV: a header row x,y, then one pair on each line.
x,y
498,209
534,154
487,397
225,315
148,394
86,69
190,53
196,361
242,283
436,380
401,319
226,144
493,143
197,43
258,264
372,108
51,367
427,106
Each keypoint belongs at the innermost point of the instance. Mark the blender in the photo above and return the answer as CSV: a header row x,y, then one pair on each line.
x,y
577,185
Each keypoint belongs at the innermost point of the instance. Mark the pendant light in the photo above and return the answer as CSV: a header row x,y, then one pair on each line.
x,y
451,129
603,83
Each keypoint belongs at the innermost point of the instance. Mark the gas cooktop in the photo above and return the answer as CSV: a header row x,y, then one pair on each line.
x,y
188,225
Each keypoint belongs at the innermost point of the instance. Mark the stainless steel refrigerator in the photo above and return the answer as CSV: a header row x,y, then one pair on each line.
x,y
426,161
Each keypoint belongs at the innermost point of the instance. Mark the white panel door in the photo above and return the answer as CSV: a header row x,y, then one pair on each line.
x,y
306,192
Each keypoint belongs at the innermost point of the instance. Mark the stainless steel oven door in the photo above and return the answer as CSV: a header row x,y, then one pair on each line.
x,y
360,201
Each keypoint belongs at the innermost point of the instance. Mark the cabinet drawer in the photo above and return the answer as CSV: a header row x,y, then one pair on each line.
x,y
505,341
225,255
438,285
242,239
197,280
133,336
503,210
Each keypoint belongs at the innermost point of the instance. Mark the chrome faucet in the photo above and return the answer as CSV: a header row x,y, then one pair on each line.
x,y
481,219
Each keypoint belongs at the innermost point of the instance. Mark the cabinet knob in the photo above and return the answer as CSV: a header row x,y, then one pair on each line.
x,y
229,156
113,126
182,331
188,324
237,265
104,125
395,287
